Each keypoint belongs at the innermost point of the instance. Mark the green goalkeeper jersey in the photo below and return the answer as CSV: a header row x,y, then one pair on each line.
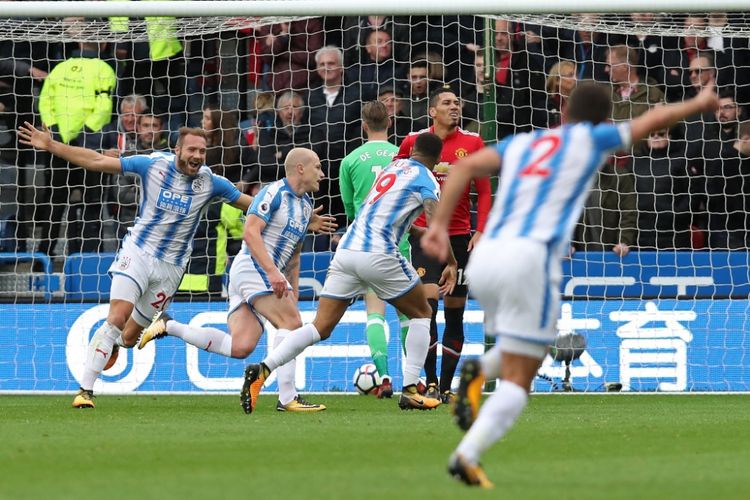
x,y
357,175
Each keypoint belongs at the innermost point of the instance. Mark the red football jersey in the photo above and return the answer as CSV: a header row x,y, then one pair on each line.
x,y
456,146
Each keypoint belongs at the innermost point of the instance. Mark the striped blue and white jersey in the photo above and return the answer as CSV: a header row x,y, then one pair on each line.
x,y
390,208
545,178
171,204
286,215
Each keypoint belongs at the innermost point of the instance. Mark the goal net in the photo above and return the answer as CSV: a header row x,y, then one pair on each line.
x,y
655,292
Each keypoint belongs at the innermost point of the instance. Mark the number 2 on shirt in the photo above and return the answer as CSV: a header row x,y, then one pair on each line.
x,y
538,167
383,183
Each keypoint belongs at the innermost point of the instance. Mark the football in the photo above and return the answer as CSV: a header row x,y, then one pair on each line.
x,y
366,379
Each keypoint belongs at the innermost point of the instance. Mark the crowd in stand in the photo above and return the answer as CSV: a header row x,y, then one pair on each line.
x,y
685,188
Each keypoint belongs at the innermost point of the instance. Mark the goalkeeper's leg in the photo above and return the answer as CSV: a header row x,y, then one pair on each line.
x,y
376,333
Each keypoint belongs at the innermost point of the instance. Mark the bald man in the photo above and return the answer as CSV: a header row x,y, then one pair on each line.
x,y
264,278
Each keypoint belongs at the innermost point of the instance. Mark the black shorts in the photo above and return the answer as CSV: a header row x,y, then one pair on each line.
x,y
429,269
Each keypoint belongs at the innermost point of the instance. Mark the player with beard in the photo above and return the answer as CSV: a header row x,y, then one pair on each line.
x,y
445,111
152,258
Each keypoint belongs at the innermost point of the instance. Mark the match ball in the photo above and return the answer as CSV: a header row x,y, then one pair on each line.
x,y
366,379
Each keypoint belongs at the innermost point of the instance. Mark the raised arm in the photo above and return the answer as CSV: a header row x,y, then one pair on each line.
x,y
84,158
661,117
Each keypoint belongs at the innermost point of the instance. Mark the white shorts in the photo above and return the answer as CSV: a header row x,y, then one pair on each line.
x,y
143,280
247,283
351,273
517,283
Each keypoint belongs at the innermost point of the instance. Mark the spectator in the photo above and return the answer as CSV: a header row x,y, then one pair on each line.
x,y
588,49
472,99
18,77
519,85
225,143
356,31
560,83
631,96
290,49
75,101
651,47
417,106
124,194
401,125
377,67
333,110
289,132
609,217
151,135
732,56
728,193
681,65
707,136
121,136
662,184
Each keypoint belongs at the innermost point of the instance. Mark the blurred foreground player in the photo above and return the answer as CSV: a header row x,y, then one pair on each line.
x,y
515,270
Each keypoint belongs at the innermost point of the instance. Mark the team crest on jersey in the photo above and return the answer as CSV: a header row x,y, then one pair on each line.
x,y
307,210
123,262
198,185
461,153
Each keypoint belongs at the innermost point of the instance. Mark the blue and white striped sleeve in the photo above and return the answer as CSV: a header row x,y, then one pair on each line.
x,y
427,187
609,137
224,190
136,165
266,202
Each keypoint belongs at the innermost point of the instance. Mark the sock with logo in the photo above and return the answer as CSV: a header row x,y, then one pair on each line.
x,y
98,353
205,338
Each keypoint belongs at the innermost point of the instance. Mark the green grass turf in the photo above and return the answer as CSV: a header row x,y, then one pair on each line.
x,y
361,448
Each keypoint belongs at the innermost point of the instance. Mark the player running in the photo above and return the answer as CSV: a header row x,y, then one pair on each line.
x,y
445,110
515,270
264,278
149,265
368,257
356,177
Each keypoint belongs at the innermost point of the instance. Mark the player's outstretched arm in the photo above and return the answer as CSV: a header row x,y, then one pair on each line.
x,y
243,202
85,158
662,117
254,226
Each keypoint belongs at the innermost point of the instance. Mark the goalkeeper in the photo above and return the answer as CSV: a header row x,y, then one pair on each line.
x,y
357,175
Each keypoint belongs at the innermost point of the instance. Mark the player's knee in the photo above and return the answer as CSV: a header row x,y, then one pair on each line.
x,y
324,328
243,349
117,319
422,311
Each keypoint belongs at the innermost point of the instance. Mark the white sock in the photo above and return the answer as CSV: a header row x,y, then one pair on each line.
x,y
490,362
98,353
417,343
121,342
285,373
295,342
206,338
497,416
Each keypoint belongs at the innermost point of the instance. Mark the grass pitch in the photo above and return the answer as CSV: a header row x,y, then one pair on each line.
x,y
361,448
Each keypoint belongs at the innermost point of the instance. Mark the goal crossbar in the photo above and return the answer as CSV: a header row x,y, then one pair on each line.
x,y
363,7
